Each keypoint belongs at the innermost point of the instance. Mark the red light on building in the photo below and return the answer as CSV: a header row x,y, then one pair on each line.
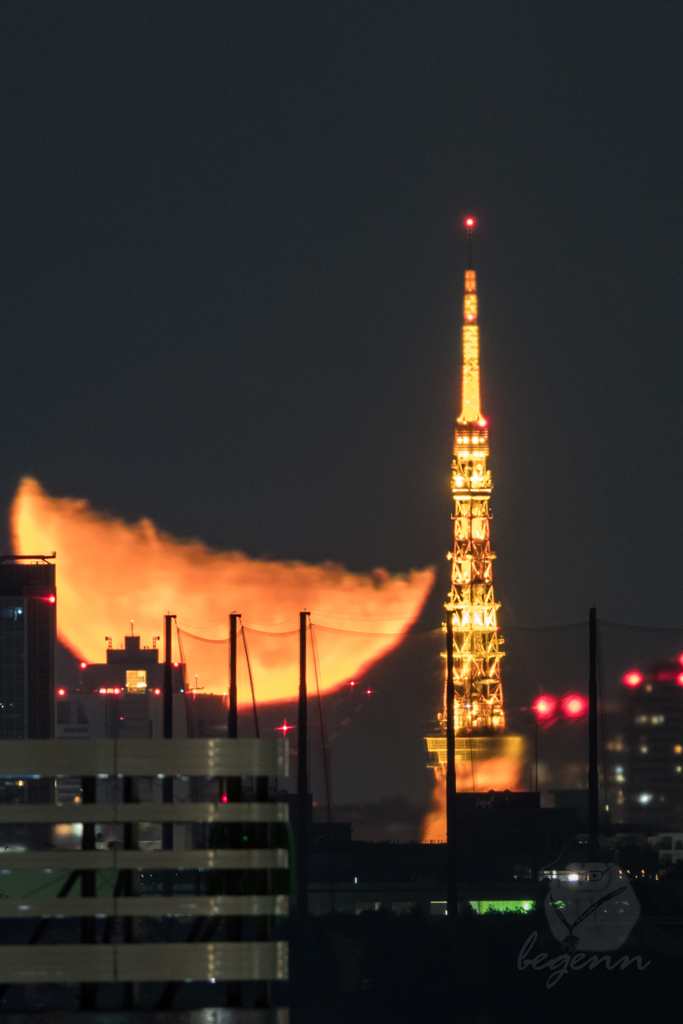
x,y
52,598
679,679
284,728
469,222
632,679
574,705
117,691
544,707
368,692
61,692
224,798
84,664
157,692
102,689
176,664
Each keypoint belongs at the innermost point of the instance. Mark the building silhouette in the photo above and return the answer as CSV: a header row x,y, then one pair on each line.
x,y
121,698
28,603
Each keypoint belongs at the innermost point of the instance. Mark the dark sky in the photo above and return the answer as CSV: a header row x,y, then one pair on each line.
x,y
232,263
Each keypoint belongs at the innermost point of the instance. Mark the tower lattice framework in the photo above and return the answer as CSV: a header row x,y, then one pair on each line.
x,y
476,639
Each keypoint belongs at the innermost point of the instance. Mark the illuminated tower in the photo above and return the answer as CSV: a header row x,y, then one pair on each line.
x,y
479,715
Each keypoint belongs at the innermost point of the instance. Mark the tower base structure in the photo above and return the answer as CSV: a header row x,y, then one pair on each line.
x,y
482,763
477,749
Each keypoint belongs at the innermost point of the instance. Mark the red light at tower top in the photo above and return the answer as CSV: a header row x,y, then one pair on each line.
x,y
574,705
632,679
469,223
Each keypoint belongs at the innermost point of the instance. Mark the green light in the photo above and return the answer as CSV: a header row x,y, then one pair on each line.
x,y
502,906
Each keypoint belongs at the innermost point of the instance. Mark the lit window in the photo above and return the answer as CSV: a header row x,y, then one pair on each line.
x,y
678,749
643,750
679,768
136,680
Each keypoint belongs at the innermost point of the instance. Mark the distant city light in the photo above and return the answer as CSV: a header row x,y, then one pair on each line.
x,y
284,728
368,692
117,690
469,222
645,798
679,679
61,692
544,706
632,679
574,705
224,798
103,689
157,692
84,664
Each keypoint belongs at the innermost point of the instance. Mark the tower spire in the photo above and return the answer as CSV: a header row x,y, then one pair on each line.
x,y
476,651
471,410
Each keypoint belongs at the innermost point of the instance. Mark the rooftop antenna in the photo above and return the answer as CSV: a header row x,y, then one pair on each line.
x,y
132,624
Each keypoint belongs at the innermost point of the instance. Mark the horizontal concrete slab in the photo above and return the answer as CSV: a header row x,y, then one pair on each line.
x,y
146,906
25,814
154,961
144,860
199,757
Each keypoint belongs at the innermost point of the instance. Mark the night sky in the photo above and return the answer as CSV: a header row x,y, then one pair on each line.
x,y
232,263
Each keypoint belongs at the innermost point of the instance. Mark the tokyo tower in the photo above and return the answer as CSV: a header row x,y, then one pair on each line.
x,y
478,712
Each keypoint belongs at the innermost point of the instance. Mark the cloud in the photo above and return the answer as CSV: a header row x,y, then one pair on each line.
x,y
110,571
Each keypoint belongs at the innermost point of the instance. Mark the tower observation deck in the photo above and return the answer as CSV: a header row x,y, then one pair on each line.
x,y
477,643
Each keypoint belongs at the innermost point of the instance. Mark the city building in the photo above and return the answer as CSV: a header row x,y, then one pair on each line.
x,y
121,697
502,840
647,752
28,603
189,918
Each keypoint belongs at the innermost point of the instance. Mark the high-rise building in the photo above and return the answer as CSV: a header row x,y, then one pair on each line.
x,y
28,604
479,715
647,753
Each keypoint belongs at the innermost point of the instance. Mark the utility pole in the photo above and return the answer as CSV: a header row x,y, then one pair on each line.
x,y
451,856
232,696
233,924
593,792
302,776
167,784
